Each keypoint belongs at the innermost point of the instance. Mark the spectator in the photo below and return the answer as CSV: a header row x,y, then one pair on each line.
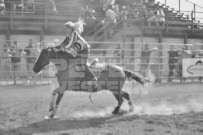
x,y
2,7
185,53
110,19
111,16
161,16
89,13
143,12
15,59
150,17
116,10
124,13
30,6
173,57
146,2
145,54
108,3
201,54
51,7
6,62
29,51
18,5
151,3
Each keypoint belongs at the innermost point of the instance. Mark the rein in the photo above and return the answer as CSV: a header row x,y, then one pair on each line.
x,y
48,66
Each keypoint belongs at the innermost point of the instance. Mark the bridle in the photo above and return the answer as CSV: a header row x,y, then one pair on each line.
x,y
48,66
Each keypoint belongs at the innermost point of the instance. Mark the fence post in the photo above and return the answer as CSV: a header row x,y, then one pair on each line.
x,y
192,22
14,73
45,18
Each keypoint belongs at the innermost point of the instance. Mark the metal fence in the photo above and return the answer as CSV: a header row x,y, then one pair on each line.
x,y
127,55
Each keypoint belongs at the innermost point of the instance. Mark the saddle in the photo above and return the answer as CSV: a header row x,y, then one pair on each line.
x,y
97,68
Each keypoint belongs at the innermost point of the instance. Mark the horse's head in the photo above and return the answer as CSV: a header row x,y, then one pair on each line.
x,y
43,59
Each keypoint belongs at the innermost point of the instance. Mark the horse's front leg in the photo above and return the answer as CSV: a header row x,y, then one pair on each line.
x,y
54,105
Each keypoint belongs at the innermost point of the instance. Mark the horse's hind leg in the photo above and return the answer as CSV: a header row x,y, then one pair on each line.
x,y
119,98
127,97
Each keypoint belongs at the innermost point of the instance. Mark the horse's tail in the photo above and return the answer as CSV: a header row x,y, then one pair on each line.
x,y
136,77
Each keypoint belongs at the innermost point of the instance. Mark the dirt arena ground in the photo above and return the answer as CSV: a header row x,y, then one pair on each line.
x,y
170,109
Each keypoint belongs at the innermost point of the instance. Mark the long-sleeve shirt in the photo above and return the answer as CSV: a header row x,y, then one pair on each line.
x,y
75,43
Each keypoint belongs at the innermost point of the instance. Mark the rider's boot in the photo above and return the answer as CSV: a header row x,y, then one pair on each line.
x,y
94,84
93,81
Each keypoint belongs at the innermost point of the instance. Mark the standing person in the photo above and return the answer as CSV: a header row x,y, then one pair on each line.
x,y
111,17
145,54
173,58
75,45
51,7
2,7
15,59
29,58
160,17
19,5
6,62
30,6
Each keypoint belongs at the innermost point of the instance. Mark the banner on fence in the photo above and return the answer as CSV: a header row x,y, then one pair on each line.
x,y
192,67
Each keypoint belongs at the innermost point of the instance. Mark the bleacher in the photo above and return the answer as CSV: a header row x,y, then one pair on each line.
x,y
70,10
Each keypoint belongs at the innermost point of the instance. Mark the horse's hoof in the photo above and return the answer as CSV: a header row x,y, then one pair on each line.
x,y
116,110
51,117
51,109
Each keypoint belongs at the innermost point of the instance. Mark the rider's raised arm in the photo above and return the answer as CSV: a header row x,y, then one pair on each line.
x,y
65,42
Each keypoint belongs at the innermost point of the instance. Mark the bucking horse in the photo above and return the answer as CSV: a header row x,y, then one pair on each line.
x,y
110,77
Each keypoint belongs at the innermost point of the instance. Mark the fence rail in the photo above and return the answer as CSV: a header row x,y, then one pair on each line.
x,y
117,53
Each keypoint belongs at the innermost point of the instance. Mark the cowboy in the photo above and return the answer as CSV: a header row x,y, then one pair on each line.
x,y
75,45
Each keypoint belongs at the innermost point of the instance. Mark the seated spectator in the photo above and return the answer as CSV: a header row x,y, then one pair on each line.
x,y
124,13
151,3
30,6
2,7
134,13
161,16
151,17
89,13
143,12
51,7
146,2
108,3
18,6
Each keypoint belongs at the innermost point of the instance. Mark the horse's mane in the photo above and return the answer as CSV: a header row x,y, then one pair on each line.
x,y
62,53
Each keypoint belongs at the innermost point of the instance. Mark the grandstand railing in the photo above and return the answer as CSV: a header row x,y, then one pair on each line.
x,y
71,10
123,56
